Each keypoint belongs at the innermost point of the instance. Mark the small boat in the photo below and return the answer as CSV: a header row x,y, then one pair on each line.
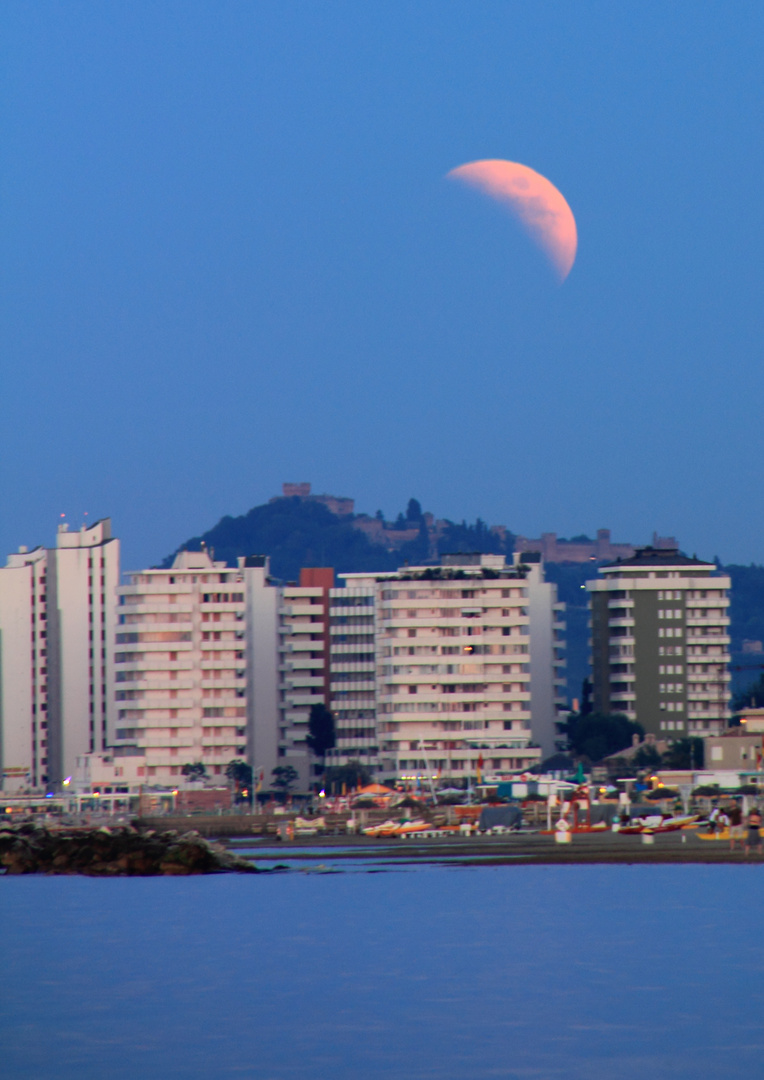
x,y
657,823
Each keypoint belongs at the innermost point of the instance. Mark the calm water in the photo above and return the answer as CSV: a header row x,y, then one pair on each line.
x,y
602,973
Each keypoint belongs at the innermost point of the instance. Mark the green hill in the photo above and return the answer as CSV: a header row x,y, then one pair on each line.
x,y
299,532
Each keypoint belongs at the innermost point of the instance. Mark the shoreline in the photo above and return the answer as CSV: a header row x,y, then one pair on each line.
x,y
514,849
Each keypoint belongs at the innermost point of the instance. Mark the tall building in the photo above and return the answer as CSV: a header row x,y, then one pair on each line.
x,y
466,660
57,622
660,642
303,665
180,663
288,662
353,674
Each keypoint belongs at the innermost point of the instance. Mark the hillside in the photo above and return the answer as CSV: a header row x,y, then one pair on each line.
x,y
299,531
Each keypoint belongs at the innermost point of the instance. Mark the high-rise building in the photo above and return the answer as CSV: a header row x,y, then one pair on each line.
x,y
57,612
467,661
303,665
180,662
660,642
289,663
353,675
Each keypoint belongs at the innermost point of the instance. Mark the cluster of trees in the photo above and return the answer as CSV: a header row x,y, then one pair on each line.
x,y
595,736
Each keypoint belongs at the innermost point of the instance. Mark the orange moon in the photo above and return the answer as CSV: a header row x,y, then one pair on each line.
x,y
536,203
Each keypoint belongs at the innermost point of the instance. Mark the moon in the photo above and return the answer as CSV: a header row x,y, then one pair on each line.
x,y
533,200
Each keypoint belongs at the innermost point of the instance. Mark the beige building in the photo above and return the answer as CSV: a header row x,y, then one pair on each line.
x,y
287,665
455,667
57,617
740,749
180,684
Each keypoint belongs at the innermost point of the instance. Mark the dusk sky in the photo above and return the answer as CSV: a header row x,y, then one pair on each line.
x,y
231,258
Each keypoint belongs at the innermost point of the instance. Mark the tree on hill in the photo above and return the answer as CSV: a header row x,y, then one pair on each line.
x,y
477,537
746,604
750,698
598,735
295,533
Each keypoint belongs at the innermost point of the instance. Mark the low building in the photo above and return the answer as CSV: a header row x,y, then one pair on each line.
x,y
739,749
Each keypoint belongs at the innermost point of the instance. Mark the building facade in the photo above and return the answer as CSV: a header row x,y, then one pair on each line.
x,y
303,666
180,667
57,617
455,679
353,674
660,642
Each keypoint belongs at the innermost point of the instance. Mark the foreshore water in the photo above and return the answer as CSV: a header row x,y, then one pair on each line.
x,y
584,972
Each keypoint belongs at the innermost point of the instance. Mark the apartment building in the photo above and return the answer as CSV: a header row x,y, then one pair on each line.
x,y
353,674
303,665
456,682
288,661
56,657
180,667
660,642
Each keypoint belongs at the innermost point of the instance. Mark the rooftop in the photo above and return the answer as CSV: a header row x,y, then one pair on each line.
x,y
651,557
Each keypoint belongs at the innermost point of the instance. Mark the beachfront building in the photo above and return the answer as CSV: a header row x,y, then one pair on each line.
x,y
660,642
456,682
180,668
288,662
57,612
352,674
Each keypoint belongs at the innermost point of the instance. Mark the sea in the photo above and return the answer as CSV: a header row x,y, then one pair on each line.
x,y
438,972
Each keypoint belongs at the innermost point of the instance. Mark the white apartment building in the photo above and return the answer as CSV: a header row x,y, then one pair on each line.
x,y
458,682
56,658
660,642
180,663
289,651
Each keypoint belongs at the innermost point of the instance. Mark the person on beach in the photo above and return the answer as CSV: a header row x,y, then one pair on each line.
x,y
753,840
737,829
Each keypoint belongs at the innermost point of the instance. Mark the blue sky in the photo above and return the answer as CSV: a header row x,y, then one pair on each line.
x,y
230,258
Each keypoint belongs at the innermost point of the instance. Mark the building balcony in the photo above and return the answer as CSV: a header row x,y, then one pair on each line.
x,y
296,700
627,622
302,644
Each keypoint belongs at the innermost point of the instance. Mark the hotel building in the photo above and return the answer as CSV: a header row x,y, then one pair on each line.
x,y
180,664
461,671
288,660
660,642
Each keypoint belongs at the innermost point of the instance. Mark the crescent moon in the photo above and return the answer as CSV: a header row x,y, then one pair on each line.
x,y
536,203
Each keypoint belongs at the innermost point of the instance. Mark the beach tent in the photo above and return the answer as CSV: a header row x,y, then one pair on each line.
x,y
375,790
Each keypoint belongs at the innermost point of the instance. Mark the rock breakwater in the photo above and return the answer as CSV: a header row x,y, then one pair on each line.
x,y
113,852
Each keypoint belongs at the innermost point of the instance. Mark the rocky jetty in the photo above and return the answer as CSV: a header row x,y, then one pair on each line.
x,y
112,852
